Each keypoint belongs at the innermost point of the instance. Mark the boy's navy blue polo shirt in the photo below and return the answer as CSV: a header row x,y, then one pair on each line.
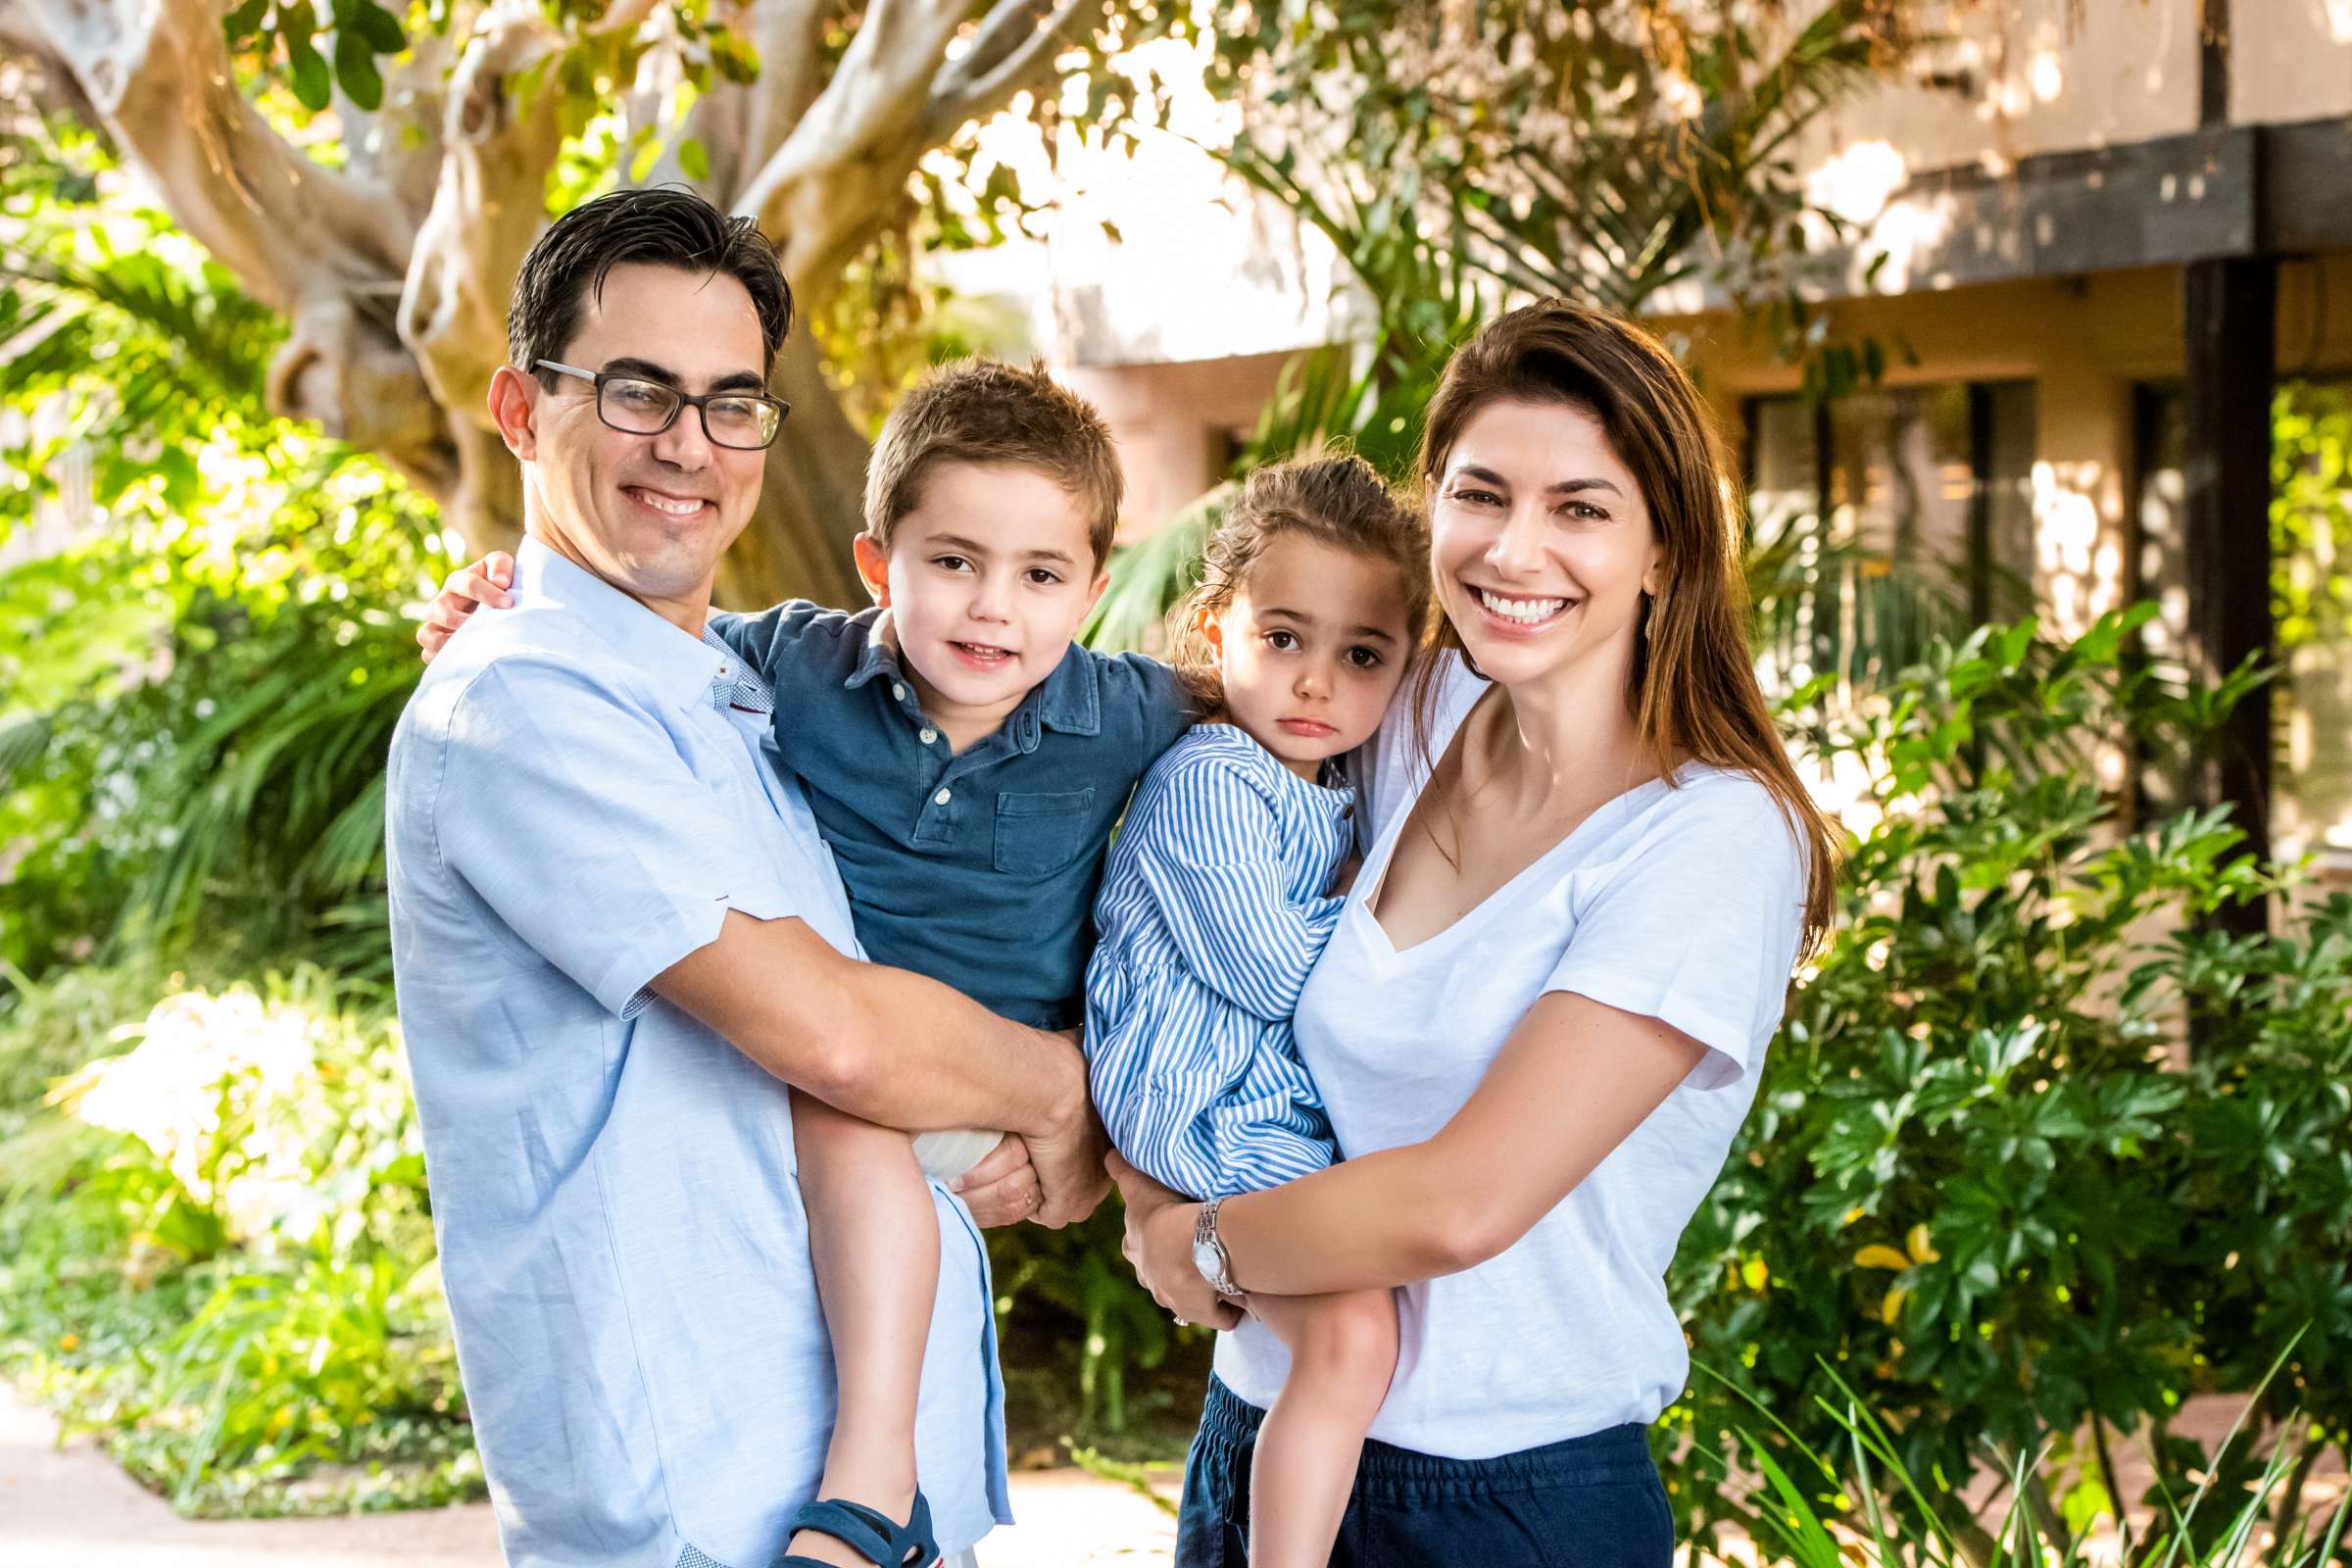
x,y
976,868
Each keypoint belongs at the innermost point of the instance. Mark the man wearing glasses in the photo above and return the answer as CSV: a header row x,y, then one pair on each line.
x,y
618,937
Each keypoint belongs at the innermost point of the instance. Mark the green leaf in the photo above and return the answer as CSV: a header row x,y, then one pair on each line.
x,y
641,163
355,69
733,58
313,83
380,27
241,24
694,160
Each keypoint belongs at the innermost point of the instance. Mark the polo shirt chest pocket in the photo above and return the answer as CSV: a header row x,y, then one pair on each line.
x,y
1040,833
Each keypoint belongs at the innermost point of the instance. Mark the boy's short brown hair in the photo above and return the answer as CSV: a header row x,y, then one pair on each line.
x,y
985,411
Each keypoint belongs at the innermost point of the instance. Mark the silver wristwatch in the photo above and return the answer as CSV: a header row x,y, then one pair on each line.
x,y
1208,1252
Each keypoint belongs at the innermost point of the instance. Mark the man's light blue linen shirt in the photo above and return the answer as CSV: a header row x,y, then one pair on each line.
x,y
577,794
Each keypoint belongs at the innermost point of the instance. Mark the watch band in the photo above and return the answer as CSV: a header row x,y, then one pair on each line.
x,y
1204,1236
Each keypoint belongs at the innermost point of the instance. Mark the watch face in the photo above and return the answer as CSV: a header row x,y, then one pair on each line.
x,y
1206,1259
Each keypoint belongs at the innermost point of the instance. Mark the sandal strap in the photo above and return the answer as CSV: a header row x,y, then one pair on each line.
x,y
870,1531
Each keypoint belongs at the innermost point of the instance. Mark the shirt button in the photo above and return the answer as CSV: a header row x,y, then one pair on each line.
x,y
942,798
929,735
898,692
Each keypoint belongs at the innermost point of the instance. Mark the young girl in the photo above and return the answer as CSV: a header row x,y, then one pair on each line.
x,y
1217,900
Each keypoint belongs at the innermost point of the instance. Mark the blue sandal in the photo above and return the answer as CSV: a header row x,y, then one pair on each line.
x,y
892,1546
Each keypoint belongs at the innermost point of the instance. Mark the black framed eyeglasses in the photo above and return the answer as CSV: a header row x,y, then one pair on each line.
x,y
744,421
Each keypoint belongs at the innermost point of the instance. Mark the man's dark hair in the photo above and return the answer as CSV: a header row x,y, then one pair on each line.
x,y
662,224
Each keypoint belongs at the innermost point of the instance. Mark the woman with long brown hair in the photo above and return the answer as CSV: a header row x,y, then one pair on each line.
x,y
1589,870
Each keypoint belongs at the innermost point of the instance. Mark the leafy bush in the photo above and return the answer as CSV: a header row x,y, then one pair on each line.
x,y
225,797
194,707
1857,1499
221,1258
2035,1155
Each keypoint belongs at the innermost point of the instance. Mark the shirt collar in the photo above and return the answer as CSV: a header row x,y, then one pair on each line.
x,y
879,658
1068,700
1073,695
690,672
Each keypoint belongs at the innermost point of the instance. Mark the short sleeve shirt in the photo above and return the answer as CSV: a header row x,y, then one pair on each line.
x,y
1679,900
576,797
977,869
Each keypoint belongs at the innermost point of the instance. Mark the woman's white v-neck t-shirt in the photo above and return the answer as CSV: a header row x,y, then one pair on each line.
x,y
1681,901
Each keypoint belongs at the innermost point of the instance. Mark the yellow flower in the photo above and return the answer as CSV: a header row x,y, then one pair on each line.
x,y
68,1341
1922,1251
1879,1255
1893,1307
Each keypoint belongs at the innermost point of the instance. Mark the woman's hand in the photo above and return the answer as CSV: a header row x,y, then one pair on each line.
x,y
1159,1245
467,590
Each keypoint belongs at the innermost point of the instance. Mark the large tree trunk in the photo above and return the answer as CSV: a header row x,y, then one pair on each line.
x,y
394,272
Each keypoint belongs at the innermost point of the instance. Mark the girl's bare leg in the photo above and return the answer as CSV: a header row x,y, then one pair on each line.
x,y
875,1238
1343,1354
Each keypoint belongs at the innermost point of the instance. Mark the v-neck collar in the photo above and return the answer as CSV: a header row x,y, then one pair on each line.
x,y
1376,878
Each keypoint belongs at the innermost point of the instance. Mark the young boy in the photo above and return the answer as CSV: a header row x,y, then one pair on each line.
x,y
965,763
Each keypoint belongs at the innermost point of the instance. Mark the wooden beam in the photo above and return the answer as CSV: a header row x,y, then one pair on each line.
x,y
2213,62
2230,311
2219,191
2306,171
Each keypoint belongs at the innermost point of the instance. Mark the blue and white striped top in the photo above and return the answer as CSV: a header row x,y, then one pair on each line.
x,y
1214,909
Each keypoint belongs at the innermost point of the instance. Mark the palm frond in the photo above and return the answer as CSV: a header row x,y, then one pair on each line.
x,y
282,790
1149,577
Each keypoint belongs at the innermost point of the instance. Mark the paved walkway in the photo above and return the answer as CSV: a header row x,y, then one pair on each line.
x,y
71,1507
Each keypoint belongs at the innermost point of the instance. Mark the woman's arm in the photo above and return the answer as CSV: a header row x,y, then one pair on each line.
x,y
1572,1083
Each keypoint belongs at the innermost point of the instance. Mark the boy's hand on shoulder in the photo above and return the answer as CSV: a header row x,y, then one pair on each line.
x,y
1069,1157
468,588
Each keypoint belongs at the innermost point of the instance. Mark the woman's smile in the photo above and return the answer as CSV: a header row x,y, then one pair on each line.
x,y
1521,611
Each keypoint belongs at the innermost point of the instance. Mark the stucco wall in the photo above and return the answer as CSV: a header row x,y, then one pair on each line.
x,y
1173,424
2291,60
2017,77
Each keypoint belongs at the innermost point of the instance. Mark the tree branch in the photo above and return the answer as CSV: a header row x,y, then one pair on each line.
x,y
158,75
487,208
841,173
1014,49
875,99
398,146
787,35
325,248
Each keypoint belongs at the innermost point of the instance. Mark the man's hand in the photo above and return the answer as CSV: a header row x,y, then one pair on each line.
x,y
467,590
1159,1245
1003,1187
1069,1156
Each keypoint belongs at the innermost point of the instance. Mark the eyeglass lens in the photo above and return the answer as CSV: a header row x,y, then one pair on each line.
x,y
644,407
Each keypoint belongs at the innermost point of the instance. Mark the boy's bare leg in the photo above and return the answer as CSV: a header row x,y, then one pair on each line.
x,y
875,1238
1343,1355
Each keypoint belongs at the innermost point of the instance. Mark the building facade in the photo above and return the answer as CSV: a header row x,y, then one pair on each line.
x,y
2116,235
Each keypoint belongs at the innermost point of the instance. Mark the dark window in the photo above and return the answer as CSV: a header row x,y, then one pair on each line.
x,y
2311,599
1917,503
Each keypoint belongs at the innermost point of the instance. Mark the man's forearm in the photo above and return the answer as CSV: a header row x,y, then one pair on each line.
x,y
888,1044
921,1055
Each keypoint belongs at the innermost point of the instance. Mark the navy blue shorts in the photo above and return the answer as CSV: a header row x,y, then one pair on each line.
x,y
1589,1502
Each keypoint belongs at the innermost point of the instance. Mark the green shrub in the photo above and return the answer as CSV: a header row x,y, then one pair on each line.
x,y
1857,1499
2034,1155
229,1272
